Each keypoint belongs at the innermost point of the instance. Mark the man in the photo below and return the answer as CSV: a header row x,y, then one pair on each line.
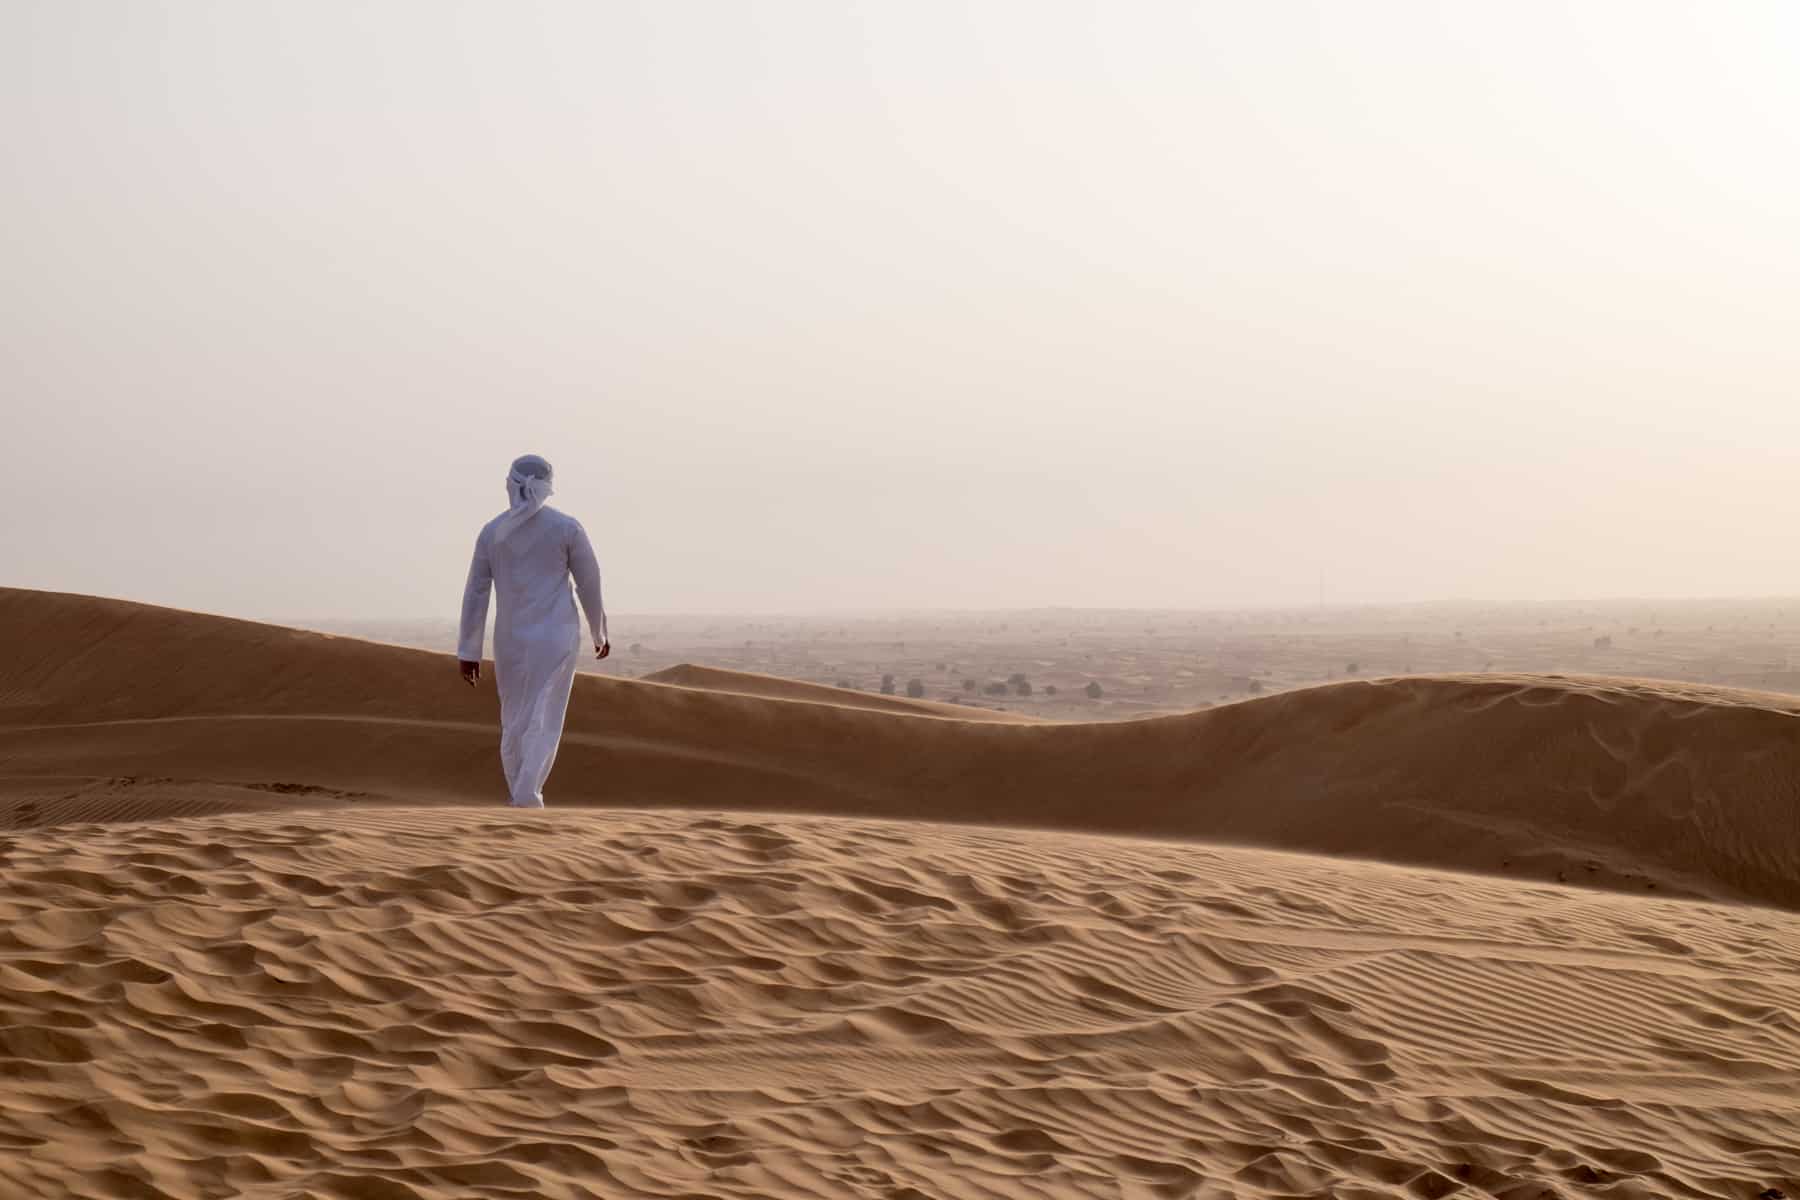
x,y
527,555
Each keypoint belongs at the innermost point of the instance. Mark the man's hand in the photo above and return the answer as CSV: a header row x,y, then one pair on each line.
x,y
471,671
603,649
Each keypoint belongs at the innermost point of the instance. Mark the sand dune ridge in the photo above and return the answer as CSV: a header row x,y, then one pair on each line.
x,y
308,957
1631,784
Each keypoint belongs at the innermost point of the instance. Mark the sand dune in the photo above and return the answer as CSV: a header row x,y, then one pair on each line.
x,y
110,709
255,942
408,1003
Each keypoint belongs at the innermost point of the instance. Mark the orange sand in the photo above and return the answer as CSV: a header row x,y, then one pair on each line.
x,y
295,962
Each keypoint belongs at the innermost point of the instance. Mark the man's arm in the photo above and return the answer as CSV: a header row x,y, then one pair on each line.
x,y
474,611
586,570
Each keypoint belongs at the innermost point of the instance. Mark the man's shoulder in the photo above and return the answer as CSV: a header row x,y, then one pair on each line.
x,y
562,519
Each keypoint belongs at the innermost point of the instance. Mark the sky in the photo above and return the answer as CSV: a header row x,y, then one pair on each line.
x,y
820,305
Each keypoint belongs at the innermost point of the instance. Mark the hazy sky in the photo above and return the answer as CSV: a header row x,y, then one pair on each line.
x,y
826,304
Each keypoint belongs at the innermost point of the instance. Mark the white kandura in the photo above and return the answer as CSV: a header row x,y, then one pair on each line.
x,y
526,557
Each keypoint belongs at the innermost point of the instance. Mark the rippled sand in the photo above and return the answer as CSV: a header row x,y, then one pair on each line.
x,y
265,932
447,1003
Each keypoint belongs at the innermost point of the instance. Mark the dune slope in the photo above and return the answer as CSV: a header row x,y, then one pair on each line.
x,y
293,963
111,709
437,1003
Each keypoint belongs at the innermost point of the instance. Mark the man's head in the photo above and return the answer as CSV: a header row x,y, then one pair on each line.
x,y
528,482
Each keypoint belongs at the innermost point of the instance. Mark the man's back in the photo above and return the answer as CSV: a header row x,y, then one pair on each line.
x,y
532,567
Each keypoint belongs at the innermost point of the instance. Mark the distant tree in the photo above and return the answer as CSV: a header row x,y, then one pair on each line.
x,y
1255,688
995,688
915,688
887,685
844,683
637,647
1603,642
1352,668
969,685
1020,685
1093,690
943,666
1050,690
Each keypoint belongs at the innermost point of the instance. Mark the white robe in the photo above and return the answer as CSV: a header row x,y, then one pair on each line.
x,y
537,635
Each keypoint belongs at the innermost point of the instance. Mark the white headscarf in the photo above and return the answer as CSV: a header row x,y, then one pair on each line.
x,y
527,487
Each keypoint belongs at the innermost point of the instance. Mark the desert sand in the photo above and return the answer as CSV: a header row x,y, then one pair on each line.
x,y
267,934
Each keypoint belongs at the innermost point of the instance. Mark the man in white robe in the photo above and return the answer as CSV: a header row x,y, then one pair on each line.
x,y
527,556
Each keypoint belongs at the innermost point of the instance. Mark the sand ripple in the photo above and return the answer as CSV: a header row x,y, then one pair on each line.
x,y
406,1003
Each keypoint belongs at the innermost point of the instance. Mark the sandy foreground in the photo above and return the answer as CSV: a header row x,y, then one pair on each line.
x,y
264,933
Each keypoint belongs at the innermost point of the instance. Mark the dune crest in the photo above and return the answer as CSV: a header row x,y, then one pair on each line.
x,y
1685,790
